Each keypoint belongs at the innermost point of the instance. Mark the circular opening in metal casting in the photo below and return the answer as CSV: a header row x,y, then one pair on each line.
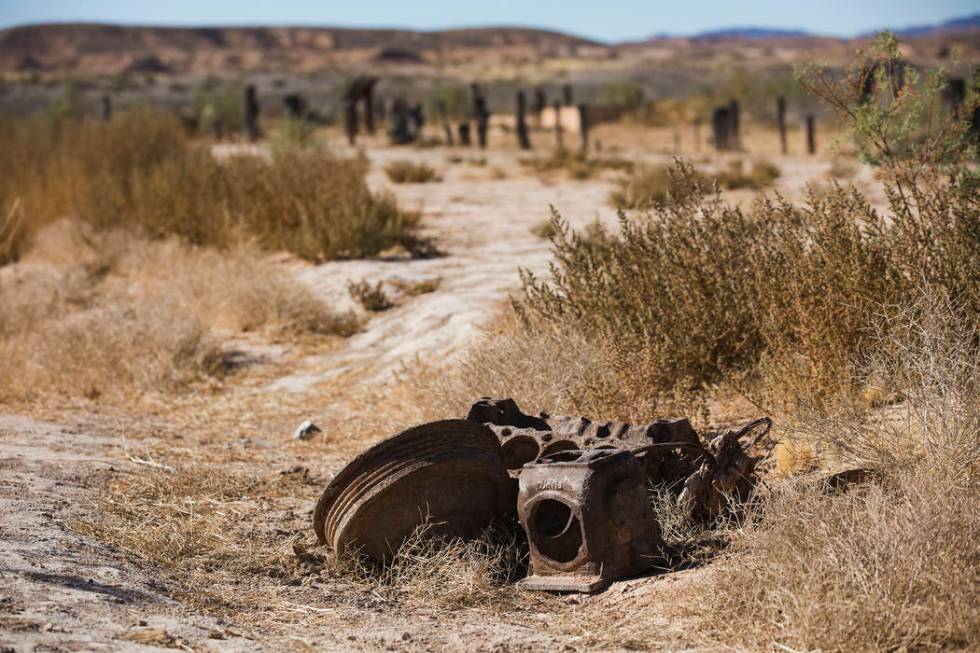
x,y
556,531
559,445
518,450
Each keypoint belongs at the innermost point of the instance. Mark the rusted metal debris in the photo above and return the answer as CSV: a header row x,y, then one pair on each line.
x,y
525,438
578,486
588,520
448,475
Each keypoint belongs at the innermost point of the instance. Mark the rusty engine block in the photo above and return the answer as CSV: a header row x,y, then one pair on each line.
x,y
579,488
588,520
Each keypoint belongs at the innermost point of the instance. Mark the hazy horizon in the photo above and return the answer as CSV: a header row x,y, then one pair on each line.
x,y
621,20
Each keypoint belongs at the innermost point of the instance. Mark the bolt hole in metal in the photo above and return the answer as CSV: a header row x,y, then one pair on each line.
x,y
556,531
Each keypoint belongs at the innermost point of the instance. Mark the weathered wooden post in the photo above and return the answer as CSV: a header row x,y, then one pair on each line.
x,y
404,124
464,133
721,123
251,113
539,104
734,133
523,141
583,124
781,121
295,106
444,119
481,114
566,91
368,97
558,135
811,140
350,119
417,117
105,108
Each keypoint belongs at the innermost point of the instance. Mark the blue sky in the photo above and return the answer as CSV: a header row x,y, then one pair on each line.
x,y
609,20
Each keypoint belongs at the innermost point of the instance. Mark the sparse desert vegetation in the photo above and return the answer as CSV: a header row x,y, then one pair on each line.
x,y
141,171
574,163
174,301
408,172
372,298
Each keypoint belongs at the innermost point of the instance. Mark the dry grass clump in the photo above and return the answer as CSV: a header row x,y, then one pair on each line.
x,y
842,168
548,368
105,314
235,289
893,565
184,518
576,164
649,185
876,569
11,233
150,344
210,527
416,288
409,172
438,573
141,171
734,177
372,298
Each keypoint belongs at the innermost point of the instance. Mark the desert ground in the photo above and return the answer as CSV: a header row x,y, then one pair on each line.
x,y
153,495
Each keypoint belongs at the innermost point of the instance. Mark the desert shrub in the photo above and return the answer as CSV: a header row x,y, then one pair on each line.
x,y
409,172
698,291
761,174
646,186
140,171
372,298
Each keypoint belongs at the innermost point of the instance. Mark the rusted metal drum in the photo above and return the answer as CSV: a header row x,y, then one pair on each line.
x,y
449,475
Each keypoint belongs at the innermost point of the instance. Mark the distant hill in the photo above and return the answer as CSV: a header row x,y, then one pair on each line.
x,y
113,49
964,24
752,33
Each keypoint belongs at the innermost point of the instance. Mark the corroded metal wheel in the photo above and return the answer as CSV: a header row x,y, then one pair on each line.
x,y
449,475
